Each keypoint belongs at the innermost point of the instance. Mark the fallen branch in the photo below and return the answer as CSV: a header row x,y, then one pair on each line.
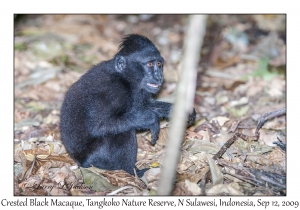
x,y
260,123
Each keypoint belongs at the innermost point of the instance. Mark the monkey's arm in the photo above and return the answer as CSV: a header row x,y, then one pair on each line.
x,y
109,117
163,110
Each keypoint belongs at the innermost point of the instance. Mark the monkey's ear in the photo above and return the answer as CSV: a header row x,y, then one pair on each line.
x,y
120,63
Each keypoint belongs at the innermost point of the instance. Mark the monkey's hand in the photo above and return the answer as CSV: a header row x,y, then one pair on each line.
x,y
162,109
191,118
153,125
147,119
154,128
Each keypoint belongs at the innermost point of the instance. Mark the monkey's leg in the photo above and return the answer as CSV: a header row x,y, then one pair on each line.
x,y
113,152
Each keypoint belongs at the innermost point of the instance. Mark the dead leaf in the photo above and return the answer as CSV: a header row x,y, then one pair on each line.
x,y
259,159
40,77
120,178
216,174
234,126
162,138
221,120
21,114
195,176
54,189
240,102
180,189
223,137
276,88
144,144
26,122
153,186
153,174
268,137
65,176
193,135
96,181
16,187
193,188
51,119
223,189
225,60
202,146
183,165
277,157
40,152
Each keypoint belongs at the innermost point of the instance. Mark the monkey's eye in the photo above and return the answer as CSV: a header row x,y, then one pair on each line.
x,y
150,64
159,64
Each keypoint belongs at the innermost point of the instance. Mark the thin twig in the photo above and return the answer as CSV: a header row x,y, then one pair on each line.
x,y
260,123
245,179
119,190
184,101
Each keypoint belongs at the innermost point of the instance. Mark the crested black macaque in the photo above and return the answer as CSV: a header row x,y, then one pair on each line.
x,y
103,110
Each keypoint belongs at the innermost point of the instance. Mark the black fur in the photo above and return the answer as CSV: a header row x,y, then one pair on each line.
x,y
104,108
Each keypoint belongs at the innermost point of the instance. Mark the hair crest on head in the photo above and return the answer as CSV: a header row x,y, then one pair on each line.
x,y
132,43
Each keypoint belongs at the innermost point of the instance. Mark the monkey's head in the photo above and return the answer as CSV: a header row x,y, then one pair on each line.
x,y
138,58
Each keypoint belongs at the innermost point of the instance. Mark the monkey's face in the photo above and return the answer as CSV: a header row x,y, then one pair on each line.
x,y
140,62
153,73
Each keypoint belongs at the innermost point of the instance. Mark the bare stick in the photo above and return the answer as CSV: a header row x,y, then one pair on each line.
x,y
262,120
184,101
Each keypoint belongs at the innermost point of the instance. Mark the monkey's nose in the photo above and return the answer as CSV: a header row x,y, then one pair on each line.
x,y
158,76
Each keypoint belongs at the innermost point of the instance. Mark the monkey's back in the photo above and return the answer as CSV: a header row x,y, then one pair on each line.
x,y
89,101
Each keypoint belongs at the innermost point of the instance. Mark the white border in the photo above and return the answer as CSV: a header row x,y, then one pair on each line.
x,y
8,8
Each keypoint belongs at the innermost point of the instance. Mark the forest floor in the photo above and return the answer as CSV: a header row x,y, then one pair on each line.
x,y
241,77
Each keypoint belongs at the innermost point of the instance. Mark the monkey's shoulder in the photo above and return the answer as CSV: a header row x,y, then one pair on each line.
x,y
101,78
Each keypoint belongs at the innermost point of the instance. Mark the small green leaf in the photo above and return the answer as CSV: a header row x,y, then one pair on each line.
x,y
263,71
239,112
